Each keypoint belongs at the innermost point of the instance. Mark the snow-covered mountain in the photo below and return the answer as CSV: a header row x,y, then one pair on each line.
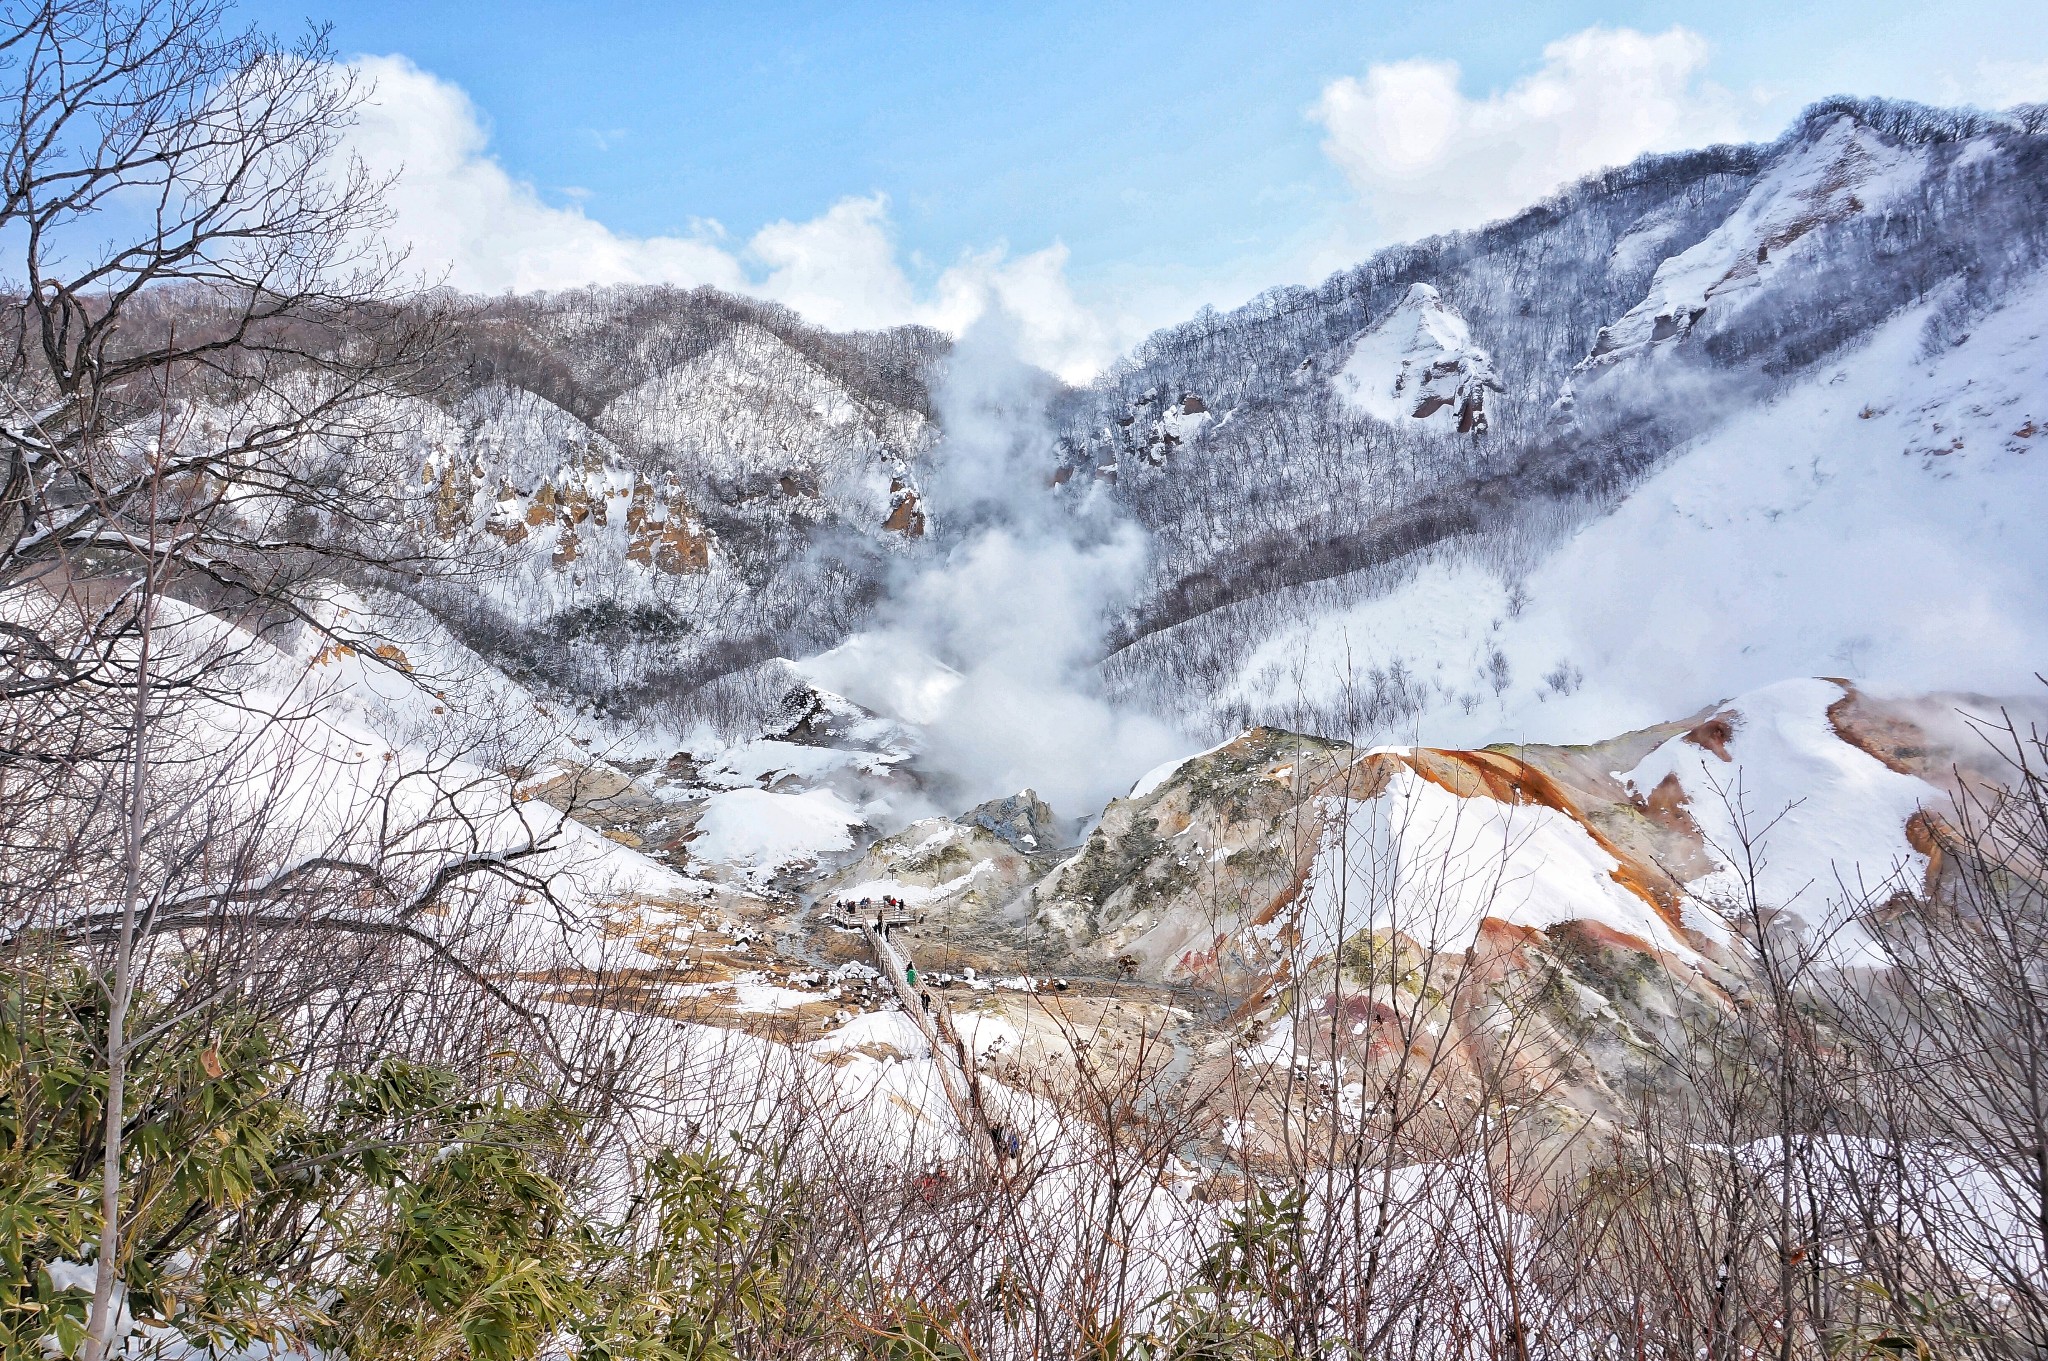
x,y
753,406
1703,496
1748,413
1877,520
1695,428
1695,425
637,489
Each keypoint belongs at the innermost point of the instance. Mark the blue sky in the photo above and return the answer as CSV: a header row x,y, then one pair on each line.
x,y
1179,153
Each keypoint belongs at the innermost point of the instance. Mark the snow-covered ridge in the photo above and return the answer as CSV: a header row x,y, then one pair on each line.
x,y
1316,466
1875,521
1836,824
1600,888
1845,170
625,559
753,408
1639,837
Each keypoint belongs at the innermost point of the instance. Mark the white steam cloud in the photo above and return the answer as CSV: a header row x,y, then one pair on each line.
x,y
1013,606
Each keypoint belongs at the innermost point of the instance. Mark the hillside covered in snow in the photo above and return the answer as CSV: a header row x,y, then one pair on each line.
x,y
1494,806
1748,413
1694,428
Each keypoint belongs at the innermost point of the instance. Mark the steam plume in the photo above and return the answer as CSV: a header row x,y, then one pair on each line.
x,y
1012,605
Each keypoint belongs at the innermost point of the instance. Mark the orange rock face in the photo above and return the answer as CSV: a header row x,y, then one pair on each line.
x,y
660,534
660,531
905,518
453,488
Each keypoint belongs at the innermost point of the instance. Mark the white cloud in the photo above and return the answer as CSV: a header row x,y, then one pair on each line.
x,y
467,219
2002,84
1426,157
838,269
463,214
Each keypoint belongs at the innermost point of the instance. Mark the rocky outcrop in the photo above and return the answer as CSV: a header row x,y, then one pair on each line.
x,y
904,516
961,879
528,474
1168,877
1023,820
1153,426
1840,170
1564,913
957,871
652,524
1419,364
661,532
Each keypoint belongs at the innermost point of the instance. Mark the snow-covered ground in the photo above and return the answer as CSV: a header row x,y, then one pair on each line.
x,y
1422,861
1830,818
349,748
759,832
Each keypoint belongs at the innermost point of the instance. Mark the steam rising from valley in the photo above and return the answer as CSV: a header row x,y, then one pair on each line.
x,y
989,642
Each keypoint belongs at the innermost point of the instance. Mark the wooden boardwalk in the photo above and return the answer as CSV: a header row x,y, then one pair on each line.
x,y
950,1057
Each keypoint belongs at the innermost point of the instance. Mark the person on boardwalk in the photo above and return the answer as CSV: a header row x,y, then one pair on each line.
x,y
910,974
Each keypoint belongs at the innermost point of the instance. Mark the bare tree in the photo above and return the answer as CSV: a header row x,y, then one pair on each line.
x,y
204,380
1950,1185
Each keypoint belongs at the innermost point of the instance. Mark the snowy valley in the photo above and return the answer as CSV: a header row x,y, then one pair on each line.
x,y
704,601
1319,788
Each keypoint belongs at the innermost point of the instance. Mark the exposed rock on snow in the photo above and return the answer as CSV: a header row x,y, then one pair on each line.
x,y
1419,364
1836,821
965,869
1592,891
528,473
1846,169
1153,425
1277,846
1023,820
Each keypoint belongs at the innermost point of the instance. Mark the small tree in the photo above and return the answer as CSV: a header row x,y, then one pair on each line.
x,y
209,360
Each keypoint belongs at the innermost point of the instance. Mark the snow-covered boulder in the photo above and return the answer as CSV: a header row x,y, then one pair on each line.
x,y
1419,364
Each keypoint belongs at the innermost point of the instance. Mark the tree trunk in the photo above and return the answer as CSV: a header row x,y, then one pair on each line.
x,y
103,1316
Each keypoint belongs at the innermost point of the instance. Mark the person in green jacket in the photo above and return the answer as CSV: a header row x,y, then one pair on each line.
x,y
910,974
